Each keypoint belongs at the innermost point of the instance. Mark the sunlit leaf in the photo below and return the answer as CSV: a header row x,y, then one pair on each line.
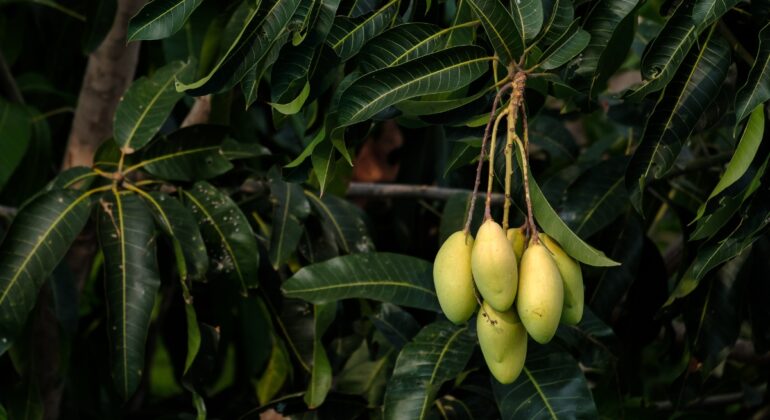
x,y
756,90
160,18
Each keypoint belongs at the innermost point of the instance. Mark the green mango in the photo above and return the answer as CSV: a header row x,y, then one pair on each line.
x,y
541,293
494,266
574,293
503,341
453,278
518,239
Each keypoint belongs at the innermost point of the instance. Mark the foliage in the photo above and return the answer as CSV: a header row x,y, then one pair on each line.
x,y
232,275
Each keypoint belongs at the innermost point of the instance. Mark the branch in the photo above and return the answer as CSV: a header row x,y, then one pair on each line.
x,y
430,192
110,70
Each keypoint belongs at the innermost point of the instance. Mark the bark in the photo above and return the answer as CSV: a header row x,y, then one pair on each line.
x,y
199,113
110,70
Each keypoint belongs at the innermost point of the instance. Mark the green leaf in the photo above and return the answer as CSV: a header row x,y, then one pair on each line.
x,y
397,325
289,76
437,354
419,107
501,29
295,105
443,71
146,105
404,43
604,20
363,376
227,233
667,52
275,374
552,386
528,18
250,83
565,48
290,211
706,12
348,36
127,238
323,160
178,223
193,336
744,153
680,106
260,28
39,237
455,212
560,17
188,154
15,126
756,90
160,19
320,371
344,221
386,277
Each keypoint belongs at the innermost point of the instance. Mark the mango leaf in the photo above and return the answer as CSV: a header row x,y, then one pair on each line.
x,y
667,52
596,198
403,43
127,238
397,325
320,371
442,71
146,105
260,27
39,237
15,126
437,354
363,376
552,386
706,12
528,18
250,82
559,18
290,211
680,106
275,374
756,90
604,20
188,154
386,277
160,19
178,223
455,212
565,48
417,107
227,234
344,221
506,37
348,36
193,335
289,76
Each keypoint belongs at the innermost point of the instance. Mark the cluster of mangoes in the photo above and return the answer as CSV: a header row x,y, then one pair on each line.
x,y
508,268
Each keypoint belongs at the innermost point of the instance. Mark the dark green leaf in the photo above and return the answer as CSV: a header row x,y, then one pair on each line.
x,y
258,30
528,18
127,238
101,14
176,221
344,221
160,19
14,124
397,325
290,73
393,278
756,90
680,106
559,18
146,105
506,38
188,154
705,12
321,371
252,78
604,20
290,211
348,36
437,354
565,49
552,386
455,212
40,235
227,234
434,73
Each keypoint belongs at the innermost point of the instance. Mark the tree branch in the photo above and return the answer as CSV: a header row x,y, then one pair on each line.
x,y
430,192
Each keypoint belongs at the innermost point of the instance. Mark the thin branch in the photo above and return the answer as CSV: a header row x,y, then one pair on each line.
x,y
430,192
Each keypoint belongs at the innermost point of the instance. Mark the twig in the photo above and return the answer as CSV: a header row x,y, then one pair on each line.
x,y
386,190
491,176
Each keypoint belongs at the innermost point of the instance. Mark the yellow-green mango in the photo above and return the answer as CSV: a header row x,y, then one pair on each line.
x,y
541,293
503,342
494,266
453,278
518,239
573,282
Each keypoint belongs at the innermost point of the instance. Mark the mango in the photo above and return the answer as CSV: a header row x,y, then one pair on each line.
x,y
518,239
541,293
494,266
453,278
573,282
503,342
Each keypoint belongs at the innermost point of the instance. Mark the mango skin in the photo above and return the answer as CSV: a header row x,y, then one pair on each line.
x,y
518,239
453,278
503,344
494,266
574,293
541,293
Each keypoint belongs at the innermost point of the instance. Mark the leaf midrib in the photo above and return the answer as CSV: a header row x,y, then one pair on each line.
x,y
354,284
381,11
540,393
328,212
436,366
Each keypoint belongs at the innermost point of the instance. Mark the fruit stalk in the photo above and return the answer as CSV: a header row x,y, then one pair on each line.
x,y
513,106
475,193
491,176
